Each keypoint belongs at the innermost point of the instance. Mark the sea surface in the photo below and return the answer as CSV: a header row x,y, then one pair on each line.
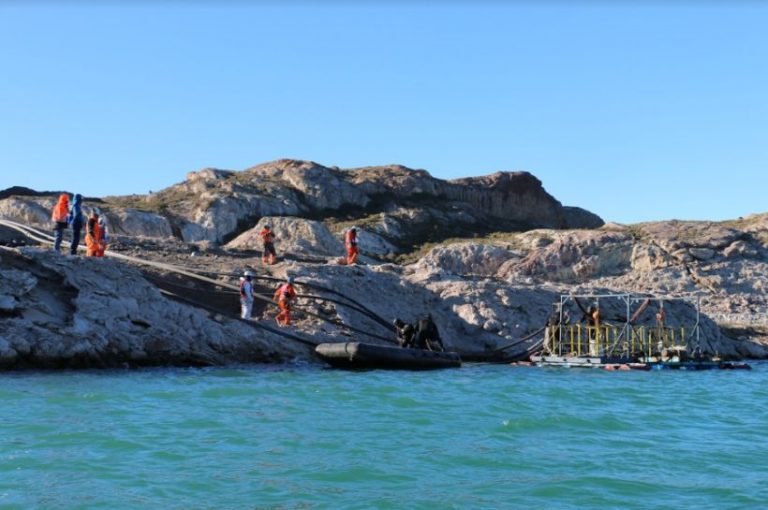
x,y
483,436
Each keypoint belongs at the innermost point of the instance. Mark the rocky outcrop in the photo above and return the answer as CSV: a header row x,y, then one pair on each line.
x,y
57,311
517,196
724,266
492,288
217,205
135,223
468,259
28,211
36,211
573,256
293,235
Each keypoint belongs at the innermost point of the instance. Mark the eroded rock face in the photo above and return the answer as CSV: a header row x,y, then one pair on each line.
x,y
29,211
293,235
573,256
59,311
83,312
473,317
132,222
483,294
515,195
468,258
727,267
216,205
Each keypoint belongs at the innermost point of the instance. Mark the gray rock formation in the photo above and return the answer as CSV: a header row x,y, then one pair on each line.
x,y
27,210
726,266
218,205
484,292
58,311
293,235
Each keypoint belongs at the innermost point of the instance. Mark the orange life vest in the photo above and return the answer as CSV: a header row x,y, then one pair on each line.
x,y
61,209
94,230
285,292
267,236
351,238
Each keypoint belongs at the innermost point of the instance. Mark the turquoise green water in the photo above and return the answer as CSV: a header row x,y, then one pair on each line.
x,y
304,437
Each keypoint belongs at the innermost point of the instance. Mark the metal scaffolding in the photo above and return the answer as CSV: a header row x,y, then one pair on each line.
x,y
626,341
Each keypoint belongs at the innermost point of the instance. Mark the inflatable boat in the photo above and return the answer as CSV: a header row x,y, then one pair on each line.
x,y
356,355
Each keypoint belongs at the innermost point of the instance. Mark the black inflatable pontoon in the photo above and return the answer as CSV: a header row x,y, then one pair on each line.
x,y
355,355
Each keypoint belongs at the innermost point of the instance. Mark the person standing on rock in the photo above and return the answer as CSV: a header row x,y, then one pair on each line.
x,y
268,254
350,241
76,219
94,236
104,236
284,295
59,218
246,295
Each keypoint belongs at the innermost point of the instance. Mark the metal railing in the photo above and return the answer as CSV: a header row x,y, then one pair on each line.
x,y
609,341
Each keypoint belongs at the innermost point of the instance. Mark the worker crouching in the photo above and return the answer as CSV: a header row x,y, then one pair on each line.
x,y
284,295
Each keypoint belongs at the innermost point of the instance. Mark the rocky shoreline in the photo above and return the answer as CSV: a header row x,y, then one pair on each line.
x,y
489,289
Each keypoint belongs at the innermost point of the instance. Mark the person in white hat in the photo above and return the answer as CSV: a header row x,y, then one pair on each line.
x,y
246,295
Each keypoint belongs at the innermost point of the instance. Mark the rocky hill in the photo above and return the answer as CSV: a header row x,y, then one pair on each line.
x,y
405,207
467,249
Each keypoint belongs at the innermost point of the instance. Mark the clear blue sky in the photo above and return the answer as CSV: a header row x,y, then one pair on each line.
x,y
636,111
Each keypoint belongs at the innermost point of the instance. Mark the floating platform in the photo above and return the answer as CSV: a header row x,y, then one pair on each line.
x,y
356,355
608,364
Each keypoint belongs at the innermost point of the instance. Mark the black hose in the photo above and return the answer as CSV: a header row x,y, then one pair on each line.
x,y
355,304
360,307
356,307
251,323
268,300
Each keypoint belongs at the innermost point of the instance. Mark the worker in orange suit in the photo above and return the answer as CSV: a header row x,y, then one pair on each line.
x,y
268,254
284,295
350,241
59,218
93,236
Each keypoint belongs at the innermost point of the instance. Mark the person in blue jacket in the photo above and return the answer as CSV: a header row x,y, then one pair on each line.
x,y
76,220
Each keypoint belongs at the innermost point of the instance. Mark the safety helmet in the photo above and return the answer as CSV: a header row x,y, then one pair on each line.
x,y
397,322
290,279
353,229
248,273
268,226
